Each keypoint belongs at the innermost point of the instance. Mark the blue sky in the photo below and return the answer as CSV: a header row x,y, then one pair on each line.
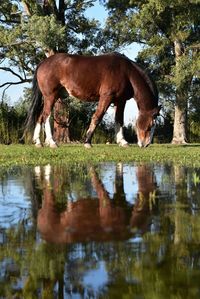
x,y
97,12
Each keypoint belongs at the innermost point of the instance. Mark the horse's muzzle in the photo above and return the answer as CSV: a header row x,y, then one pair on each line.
x,y
143,144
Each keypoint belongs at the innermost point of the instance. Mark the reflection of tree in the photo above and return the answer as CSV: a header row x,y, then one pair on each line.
x,y
46,267
119,195
145,199
169,264
180,207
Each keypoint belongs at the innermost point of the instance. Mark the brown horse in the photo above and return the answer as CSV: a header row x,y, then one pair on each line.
x,y
109,78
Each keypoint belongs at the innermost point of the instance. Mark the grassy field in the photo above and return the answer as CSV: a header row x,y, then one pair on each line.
x,y
29,155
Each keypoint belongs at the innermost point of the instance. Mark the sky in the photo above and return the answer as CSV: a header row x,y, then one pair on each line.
x,y
97,12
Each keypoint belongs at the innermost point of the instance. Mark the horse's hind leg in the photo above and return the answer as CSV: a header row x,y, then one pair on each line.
x,y
36,134
48,106
96,118
119,122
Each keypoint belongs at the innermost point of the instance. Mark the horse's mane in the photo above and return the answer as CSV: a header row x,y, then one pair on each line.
x,y
148,79
143,73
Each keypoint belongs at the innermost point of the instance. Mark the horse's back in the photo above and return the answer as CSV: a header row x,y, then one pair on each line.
x,y
112,62
87,77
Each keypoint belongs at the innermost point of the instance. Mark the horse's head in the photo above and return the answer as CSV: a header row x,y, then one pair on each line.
x,y
145,126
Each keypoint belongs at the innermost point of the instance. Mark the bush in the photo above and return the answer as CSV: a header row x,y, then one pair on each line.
x,y
11,123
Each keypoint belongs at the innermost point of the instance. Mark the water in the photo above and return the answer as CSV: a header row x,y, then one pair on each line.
x,y
100,231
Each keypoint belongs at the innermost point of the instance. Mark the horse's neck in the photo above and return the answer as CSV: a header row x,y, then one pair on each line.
x,y
144,93
145,102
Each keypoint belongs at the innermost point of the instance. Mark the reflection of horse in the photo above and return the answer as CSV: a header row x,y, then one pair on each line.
x,y
111,78
98,219
82,220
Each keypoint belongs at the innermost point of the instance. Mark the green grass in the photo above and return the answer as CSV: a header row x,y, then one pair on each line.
x,y
29,155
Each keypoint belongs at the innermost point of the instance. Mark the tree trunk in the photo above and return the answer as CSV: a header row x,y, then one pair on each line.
x,y
61,123
180,119
180,114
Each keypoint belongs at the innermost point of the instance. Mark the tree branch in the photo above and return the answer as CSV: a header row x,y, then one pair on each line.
x,y
3,93
50,7
9,21
7,69
27,8
61,11
15,83
18,43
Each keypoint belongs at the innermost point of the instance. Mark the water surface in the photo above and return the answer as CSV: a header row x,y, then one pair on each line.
x,y
100,231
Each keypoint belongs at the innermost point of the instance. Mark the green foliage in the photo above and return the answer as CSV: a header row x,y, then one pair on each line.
x,y
11,123
164,130
44,31
156,25
194,131
196,179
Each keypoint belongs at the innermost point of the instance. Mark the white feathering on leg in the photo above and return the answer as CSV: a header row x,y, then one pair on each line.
x,y
36,135
49,138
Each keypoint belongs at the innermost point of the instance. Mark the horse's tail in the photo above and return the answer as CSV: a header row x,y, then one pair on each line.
x,y
35,107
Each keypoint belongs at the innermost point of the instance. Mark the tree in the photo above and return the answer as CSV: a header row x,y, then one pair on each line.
x,y
169,33
31,30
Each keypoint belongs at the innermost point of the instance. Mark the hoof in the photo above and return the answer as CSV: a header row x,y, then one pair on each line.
x,y
123,144
38,145
87,145
53,145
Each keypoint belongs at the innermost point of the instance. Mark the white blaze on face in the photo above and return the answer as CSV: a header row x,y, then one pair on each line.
x,y
148,136
140,143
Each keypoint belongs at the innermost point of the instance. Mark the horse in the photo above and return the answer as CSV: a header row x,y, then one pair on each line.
x,y
107,78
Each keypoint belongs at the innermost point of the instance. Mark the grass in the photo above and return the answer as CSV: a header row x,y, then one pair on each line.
x,y
160,153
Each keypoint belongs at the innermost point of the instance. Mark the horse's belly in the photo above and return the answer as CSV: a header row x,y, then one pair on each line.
x,y
83,94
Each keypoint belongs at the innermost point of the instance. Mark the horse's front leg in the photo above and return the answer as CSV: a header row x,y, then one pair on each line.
x,y
49,138
119,122
96,118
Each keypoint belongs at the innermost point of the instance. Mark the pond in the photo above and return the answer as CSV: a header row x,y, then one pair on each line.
x,y
112,230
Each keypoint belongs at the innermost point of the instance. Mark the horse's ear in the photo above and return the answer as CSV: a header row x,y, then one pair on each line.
x,y
156,111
